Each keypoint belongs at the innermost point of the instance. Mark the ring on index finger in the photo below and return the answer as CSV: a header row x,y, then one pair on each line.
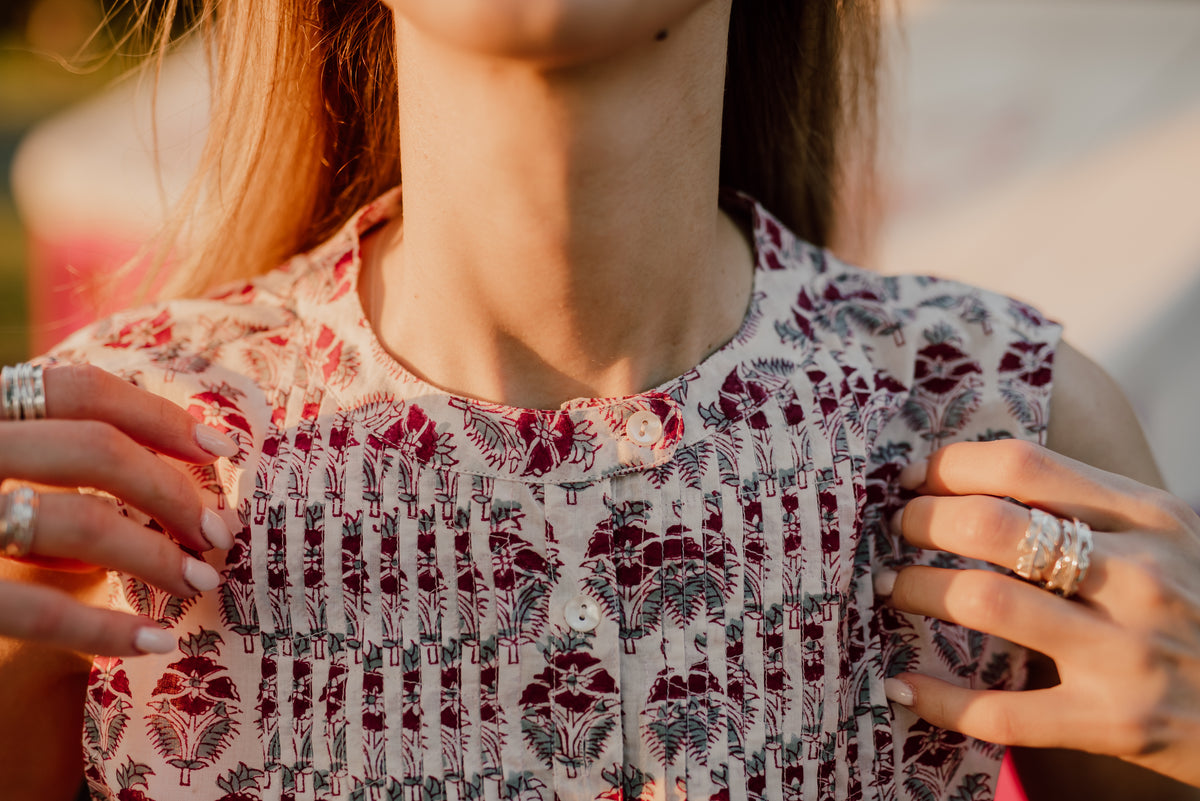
x,y
23,392
18,516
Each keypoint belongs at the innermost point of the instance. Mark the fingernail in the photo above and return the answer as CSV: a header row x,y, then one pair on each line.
x,y
216,443
200,575
897,521
215,530
885,582
913,474
151,640
898,692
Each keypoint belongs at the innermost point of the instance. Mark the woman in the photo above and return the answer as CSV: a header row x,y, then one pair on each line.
x,y
568,480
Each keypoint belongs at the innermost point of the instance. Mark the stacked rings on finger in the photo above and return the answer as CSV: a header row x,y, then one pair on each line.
x,y
1036,552
1055,553
23,392
1066,566
18,516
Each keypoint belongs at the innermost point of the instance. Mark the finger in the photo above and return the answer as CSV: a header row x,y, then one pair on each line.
x,y
90,530
84,392
1031,718
1038,477
987,528
1000,605
51,617
88,453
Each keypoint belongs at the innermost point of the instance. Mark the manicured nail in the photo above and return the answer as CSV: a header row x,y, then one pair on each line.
x,y
215,530
216,443
898,692
150,640
885,582
913,475
200,575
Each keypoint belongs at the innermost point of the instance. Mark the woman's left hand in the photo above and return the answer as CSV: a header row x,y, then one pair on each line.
x,y
1126,646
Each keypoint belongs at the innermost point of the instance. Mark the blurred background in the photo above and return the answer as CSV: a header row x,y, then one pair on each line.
x,y
80,188
1049,149
32,87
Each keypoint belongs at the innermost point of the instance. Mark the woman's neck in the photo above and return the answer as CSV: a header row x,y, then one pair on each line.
x,y
561,236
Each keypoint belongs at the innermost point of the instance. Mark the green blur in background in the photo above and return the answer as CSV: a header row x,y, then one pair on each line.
x,y
53,53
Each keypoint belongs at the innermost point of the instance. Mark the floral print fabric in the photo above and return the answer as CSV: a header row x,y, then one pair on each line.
x,y
435,598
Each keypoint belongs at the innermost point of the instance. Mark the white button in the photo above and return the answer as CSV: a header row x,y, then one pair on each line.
x,y
644,428
582,613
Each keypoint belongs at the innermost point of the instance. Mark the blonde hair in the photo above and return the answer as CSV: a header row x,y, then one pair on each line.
x,y
305,130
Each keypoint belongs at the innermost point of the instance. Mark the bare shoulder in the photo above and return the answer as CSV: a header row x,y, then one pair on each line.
x,y
1091,420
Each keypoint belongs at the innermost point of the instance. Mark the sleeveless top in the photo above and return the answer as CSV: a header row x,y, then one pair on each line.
x,y
661,596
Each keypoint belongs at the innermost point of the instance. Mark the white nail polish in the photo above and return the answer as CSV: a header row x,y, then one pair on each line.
x,y
200,575
213,441
885,582
215,531
150,640
898,692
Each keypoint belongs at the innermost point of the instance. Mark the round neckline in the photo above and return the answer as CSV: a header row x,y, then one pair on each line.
x,y
369,220
585,439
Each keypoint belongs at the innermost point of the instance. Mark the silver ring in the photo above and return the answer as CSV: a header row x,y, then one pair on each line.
x,y
1066,566
18,516
1055,553
1042,539
23,392
1081,556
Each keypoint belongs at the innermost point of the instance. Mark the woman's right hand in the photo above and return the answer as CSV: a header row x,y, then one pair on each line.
x,y
96,435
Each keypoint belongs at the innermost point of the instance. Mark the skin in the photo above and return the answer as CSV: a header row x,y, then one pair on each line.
x,y
582,147
594,180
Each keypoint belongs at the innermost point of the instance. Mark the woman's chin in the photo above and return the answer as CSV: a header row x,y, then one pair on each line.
x,y
548,32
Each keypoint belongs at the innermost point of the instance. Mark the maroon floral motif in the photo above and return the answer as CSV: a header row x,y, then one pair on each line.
x,y
1026,369
530,442
193,706
548,440
570,707
625,558
217,406
144,332
739,399
238,611
932,755
354,576
941,368
679,714
946,388
522,576
1031,362
107,707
